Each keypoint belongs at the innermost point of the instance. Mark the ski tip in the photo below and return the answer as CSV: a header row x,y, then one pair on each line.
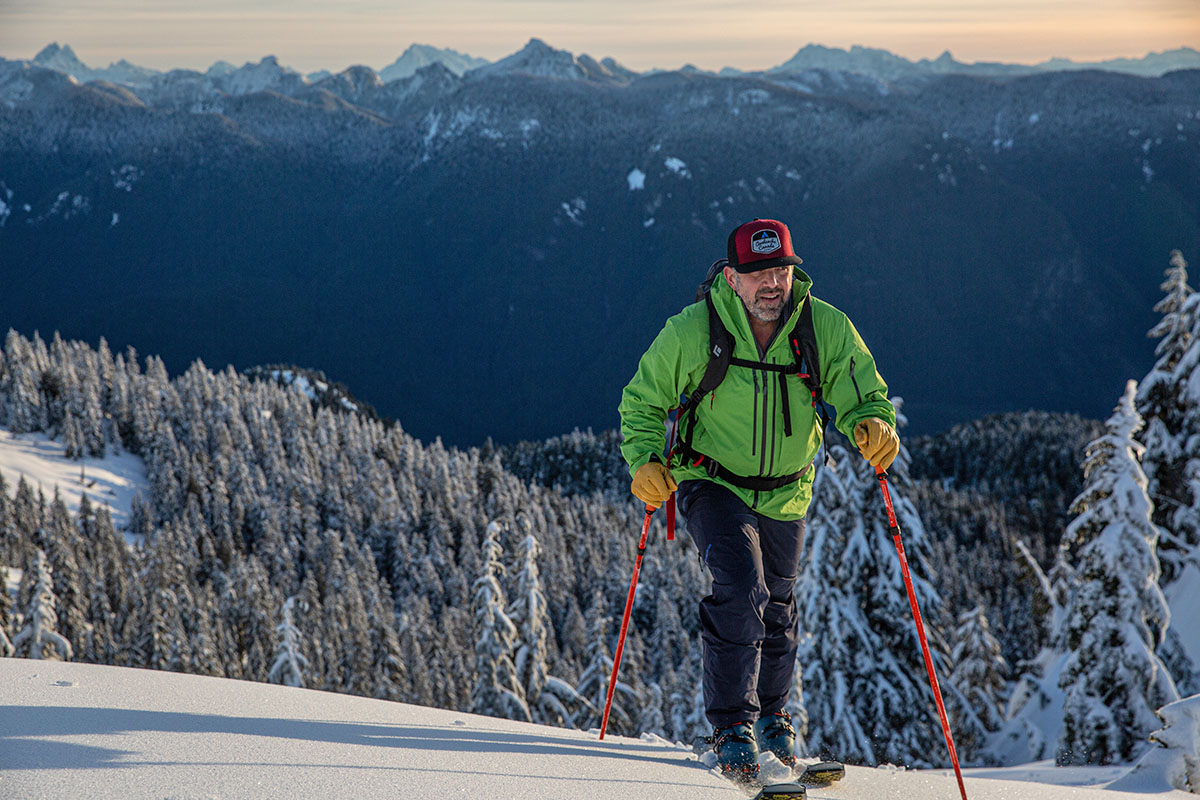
x,y
782,791
822,773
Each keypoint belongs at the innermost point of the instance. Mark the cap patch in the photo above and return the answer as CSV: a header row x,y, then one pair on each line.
x,y
765,241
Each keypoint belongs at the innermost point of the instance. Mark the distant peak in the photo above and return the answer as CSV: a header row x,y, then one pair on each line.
x,y
53,49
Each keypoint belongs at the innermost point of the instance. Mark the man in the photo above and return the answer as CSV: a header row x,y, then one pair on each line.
x,y
745,481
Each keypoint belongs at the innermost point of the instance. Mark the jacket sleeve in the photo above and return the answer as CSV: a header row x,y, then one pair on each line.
x,y
653,391
850,381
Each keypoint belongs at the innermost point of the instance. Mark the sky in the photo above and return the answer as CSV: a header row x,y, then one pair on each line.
x,y
642,34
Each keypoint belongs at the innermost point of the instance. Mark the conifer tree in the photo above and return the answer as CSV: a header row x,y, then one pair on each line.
x,y
39,638
593,683
1167,404
498,691
6,646
1113,680
290,661
552,700
864,674
979,679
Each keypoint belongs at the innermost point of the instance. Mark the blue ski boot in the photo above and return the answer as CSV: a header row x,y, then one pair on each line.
x,y
776,735
737,753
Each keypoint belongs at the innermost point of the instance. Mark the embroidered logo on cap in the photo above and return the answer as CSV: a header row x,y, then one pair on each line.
x,y
765,241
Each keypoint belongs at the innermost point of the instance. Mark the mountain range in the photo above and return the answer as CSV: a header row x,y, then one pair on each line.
x,y
874,62
487,253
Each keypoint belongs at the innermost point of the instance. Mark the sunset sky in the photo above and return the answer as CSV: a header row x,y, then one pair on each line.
x,y
310,35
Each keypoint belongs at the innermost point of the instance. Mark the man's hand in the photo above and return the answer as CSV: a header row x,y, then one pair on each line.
x,y
653,484
877,441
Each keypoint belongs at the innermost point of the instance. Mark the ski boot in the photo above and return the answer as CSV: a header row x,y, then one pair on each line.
x,y
737,753
776,735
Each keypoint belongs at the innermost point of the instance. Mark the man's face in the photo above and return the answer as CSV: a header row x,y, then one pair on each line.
x,y
764,293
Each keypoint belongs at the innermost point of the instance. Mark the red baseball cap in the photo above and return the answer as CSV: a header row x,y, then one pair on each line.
x,y
761,244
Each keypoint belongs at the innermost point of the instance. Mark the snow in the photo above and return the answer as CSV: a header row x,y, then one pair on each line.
x,y
77,730
1175,763
637,179
1183,598
678,167
112,481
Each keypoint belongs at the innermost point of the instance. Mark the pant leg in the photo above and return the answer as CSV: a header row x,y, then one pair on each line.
x,y
726,534
781,542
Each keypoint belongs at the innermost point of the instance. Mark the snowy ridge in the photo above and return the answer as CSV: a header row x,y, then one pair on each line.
x,y
71,730
422,55
541,60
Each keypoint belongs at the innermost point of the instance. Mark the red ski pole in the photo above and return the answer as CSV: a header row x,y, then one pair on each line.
x,y
637,567
916,610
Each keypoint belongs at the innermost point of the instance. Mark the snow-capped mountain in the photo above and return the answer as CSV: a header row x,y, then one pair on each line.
x,y
541,60
888,66
63,59
422,55
964,187
267,74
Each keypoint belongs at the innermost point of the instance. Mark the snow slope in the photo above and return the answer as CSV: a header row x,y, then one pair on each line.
x,y
112,481
76,730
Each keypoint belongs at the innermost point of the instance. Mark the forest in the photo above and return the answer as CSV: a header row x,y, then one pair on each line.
x,y
303,540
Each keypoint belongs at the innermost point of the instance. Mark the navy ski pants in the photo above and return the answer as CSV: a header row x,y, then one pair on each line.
x,y
749,624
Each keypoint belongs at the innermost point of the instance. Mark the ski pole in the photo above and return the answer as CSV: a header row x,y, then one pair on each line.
x,y
916,610
637,567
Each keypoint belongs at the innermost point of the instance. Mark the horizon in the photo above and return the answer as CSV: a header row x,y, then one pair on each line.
x,y
201,67
709,34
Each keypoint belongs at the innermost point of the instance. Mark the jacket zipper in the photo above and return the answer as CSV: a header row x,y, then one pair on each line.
x,y
855,382
774,423
754,409
762,455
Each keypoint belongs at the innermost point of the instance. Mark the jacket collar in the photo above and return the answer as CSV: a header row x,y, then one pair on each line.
x,y
733,312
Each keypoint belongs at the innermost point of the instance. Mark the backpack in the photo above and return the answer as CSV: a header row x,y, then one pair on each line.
x,y
806,366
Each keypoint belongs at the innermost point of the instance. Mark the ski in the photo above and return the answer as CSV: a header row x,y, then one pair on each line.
x,y
782,791
822,773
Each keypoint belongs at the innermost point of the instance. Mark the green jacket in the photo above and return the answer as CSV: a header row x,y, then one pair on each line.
x,y
740,423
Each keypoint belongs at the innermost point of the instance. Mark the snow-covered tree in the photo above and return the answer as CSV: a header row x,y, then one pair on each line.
x,y
551,700
290,662
39,638
979,678
1166,401
6,647
865,685
498,691
1112,679
593,683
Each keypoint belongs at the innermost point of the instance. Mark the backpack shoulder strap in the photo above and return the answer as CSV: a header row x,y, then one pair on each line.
x,y
720,351
720,354
803,339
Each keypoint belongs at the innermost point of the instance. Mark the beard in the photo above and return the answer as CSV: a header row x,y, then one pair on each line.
x,y
766,311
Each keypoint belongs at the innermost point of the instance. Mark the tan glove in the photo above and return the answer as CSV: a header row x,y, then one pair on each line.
x,y
653,484
877,441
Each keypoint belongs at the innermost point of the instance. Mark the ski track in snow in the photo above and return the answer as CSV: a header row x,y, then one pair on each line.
x,y
78,730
